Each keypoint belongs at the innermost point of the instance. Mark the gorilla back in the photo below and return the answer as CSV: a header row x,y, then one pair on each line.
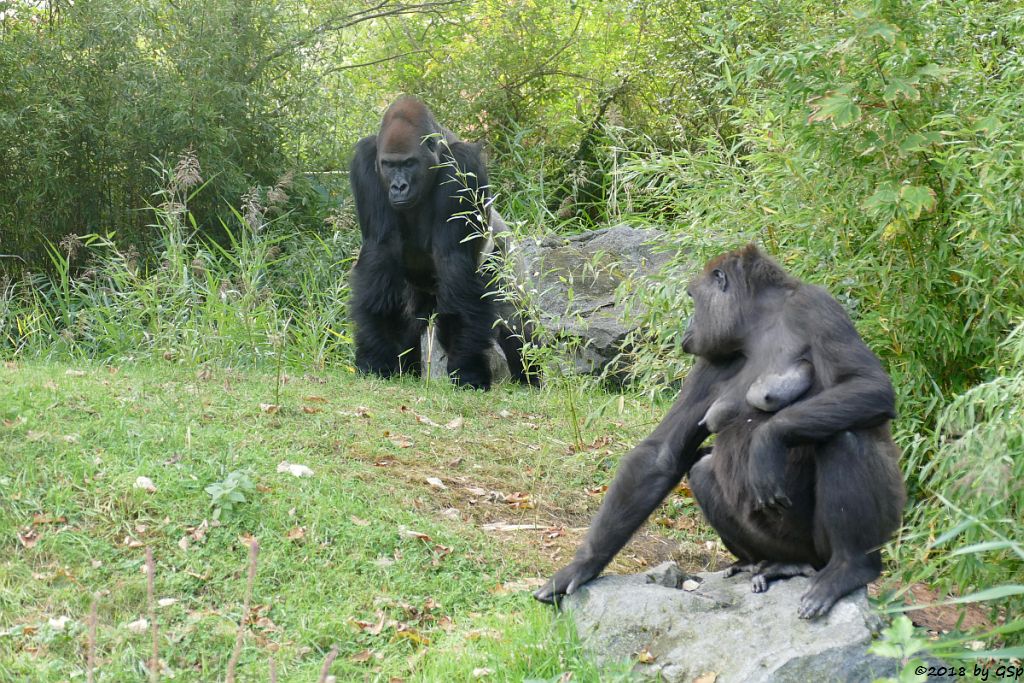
x,y
423,205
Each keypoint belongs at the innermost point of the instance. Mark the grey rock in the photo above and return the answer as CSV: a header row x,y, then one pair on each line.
x,y
722,627
574,279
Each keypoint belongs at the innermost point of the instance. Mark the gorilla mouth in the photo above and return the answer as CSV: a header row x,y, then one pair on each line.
x,y
401,203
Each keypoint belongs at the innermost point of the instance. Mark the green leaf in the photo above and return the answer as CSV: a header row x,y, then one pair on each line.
x,y
929,70
917,199
884,200
835,105
901,87
883,30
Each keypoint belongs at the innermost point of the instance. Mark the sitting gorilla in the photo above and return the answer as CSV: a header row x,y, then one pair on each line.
x,y
803,475
423,205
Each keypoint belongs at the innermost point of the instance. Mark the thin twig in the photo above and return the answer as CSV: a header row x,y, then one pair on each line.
x,y
273,670
90,652
154,660
254,553
331,656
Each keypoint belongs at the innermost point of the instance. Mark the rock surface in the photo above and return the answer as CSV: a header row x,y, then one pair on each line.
x,y
722,628
574,279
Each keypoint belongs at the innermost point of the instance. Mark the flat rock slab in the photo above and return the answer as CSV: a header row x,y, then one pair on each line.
x,y
722,628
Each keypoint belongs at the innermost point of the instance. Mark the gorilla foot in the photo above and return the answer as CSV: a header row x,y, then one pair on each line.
x,y
836,580
773,571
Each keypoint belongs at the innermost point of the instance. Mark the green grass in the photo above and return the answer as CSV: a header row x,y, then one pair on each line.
x,y
336,547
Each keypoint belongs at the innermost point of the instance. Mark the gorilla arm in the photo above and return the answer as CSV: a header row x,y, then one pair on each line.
x,y
646,475
856,394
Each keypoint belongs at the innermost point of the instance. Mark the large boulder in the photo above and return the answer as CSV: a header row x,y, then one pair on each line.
x,y
573,281
709,627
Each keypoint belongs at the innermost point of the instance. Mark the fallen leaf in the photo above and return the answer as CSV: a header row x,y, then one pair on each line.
x,y
294,469
204,374
359,521
709,677
314,399
146,484
504,526
368,626
481,672
412,634
166,602
296,533
401,441
644,656
691,585
518,499
597,490
385,462
139,626
43,518
504,414
452,513
409,533
436,483
364,656
529,583
311,410
455,424
423,419
59,623
476,491
75,373
270,408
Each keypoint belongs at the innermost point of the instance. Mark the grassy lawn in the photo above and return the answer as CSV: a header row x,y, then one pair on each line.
x,y
396,549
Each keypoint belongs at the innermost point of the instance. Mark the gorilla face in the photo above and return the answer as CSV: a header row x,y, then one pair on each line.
x,y
713,331
407,164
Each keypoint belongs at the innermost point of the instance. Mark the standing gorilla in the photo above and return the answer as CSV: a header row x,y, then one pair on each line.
x,y
423,205
803,475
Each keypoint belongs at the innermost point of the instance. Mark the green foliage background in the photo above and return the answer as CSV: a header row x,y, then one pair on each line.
x,y
874,147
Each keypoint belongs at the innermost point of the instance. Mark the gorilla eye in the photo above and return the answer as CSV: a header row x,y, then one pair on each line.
x,y
720,279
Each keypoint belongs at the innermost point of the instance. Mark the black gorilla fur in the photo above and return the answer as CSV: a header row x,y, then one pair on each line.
x,y
803,475
423,204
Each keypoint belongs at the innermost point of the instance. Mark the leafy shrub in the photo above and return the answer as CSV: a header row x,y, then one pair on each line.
x,y
226,495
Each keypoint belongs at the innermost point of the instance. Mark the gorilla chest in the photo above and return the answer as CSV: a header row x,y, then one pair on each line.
x,y
417,257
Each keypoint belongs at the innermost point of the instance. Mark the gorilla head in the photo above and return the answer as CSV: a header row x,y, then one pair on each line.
x,y
407,152
725,297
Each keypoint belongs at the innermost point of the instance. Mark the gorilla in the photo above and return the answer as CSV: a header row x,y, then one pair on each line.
x,y
424,211
803,476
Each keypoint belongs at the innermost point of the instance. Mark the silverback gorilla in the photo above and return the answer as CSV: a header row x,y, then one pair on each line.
x,y
803,477
423,205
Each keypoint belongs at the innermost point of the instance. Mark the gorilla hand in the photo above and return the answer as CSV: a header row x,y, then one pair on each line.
x,y
567,580
767,475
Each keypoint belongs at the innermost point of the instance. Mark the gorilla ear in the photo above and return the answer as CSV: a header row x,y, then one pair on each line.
x,y
720,279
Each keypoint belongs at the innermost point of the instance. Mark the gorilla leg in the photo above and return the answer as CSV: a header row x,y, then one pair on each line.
x,y
466,347
853,518
713,504
386,339
770,546
511,338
